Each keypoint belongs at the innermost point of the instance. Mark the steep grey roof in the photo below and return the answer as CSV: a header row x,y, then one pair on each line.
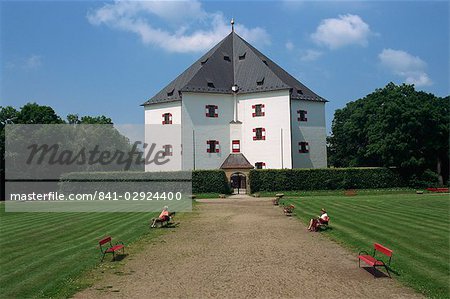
x,y
233,61
236,161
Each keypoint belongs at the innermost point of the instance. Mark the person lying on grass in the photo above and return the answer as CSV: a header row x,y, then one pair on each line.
x,y
164,216
316,222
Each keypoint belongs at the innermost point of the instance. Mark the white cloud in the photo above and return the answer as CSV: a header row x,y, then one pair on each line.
x,y
33,62
405,65
342,31
310,55
289,45
139,17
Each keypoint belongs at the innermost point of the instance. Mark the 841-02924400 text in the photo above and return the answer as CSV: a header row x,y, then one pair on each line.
x,y
97,195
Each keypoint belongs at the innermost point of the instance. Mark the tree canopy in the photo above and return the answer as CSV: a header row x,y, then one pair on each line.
x,y
395,126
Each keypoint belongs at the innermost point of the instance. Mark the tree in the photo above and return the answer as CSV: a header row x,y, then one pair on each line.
x,y
393,126
99,120
33,113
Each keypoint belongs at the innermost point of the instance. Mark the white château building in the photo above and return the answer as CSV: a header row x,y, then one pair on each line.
x,y
239,110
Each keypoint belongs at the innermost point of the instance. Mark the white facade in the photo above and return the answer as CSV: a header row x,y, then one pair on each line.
x,y
282,130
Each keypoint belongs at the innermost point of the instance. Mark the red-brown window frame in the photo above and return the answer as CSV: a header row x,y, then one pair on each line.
x,y
262,164
168,150
238,149
207,110
304,145
216,146
263,134
164,118
300,112
263,112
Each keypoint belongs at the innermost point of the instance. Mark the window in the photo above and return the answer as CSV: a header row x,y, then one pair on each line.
x,y
242,56
258,110
236,146
211,111
170,92
211,85
260,81
260,134
302,115
303,147
204,61
299,91
167,119
168,150
226,58
213,146
260,165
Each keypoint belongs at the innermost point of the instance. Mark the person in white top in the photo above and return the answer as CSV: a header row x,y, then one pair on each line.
x,y
316,222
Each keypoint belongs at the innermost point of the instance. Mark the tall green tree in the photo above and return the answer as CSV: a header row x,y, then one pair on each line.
x,y
393,126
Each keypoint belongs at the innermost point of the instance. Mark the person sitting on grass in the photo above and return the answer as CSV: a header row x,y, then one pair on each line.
x,y
316,222
164,216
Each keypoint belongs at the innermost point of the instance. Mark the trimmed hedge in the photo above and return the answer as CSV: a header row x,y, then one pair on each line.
x,y
324,179
210,181
203,181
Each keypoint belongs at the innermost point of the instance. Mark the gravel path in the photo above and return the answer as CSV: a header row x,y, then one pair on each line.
x,y
244,248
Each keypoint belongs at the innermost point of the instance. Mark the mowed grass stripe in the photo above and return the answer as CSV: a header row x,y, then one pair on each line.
x,y
386,222
366,205
78,239
75,253
390,233
35,270
60,236
397,241
416,228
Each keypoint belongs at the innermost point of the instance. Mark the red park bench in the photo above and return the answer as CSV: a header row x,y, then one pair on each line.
x,y
438,190
110,248
372,261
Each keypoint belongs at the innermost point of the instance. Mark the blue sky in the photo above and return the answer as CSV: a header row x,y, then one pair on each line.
x,y
95,58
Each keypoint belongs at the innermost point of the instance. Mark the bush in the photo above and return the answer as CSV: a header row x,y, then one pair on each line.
x,y
324,179
210,181
424,180
203,181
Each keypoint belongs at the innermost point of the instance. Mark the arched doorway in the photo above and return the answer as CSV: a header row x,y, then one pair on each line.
x,y
238,182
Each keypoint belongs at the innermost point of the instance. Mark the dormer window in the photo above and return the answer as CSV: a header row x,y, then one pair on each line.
x,y
303,147
211,111
242,56
265,62
260,134
299,91
258,110
170,92
260,81
302,115
204,61
210,83
212,146
167,119
226,58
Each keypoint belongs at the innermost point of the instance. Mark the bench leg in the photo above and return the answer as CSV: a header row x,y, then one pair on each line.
x,y
103,257
387,270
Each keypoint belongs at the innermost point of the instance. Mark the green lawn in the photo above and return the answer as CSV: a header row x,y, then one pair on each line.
x,y
49,254
416,227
